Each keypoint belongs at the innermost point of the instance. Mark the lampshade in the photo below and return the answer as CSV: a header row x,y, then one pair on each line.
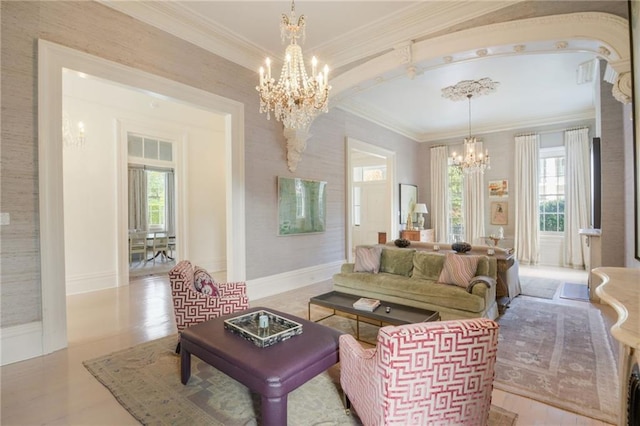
x,y
420,208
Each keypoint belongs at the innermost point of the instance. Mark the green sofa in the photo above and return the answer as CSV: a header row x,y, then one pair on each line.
x,y
410,277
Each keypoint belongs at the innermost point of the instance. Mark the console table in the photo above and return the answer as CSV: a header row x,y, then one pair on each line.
x,y
423,235
620,290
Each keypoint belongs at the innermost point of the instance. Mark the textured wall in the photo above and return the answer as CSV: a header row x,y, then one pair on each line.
x,y
101,31
613,177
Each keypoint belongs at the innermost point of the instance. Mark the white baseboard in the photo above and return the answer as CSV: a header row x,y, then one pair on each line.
x,y
21,342
91,282
274,284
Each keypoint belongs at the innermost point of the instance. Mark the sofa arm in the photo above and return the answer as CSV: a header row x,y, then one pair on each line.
x,y
347,268
481,279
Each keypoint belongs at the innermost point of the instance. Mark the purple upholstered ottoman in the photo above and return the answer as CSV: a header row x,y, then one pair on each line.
x,y
273,371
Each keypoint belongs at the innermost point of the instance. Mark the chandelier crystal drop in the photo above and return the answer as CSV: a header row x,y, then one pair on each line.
x,y
472,159
296,99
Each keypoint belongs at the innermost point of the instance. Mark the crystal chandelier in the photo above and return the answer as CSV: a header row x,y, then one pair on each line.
x,y
296,98
472,158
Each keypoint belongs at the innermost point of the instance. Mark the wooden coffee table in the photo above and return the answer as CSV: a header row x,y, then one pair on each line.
x,y
398,314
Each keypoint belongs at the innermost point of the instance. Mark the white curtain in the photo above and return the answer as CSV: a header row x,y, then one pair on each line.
x,y
473,205
137,198
170,204
527,227
439,194
577,196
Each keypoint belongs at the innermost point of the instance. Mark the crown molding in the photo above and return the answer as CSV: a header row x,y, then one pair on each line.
x,y
176,19
403,129
411,23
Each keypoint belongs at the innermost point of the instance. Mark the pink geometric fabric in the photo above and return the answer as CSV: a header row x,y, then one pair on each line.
x,y
435,373
191,307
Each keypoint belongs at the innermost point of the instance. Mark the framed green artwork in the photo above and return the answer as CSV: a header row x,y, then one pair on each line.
x,y
302,206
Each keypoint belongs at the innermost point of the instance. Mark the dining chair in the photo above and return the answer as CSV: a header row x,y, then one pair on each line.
x,y
137,245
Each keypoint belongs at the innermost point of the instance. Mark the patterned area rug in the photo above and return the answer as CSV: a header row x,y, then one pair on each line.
x,y
543,288
145,380
559,355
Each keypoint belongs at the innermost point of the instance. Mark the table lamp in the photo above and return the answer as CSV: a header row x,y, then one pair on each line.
x,y
420,209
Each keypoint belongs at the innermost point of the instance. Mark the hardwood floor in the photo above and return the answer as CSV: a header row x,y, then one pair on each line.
x,y
57,390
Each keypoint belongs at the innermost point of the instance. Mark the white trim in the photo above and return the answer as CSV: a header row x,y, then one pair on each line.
x,y
357,145
52,58
20,342
84,283
291,280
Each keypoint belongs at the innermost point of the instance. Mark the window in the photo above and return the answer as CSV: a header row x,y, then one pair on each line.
x,y
156,199
456,218
149,148
551,189
370,173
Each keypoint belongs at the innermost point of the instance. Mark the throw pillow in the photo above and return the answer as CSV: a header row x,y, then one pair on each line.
x,y
203,282
458,269
367,259
427,265
398,261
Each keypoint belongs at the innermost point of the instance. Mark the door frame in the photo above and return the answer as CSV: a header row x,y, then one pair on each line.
x,y
355,145
52,59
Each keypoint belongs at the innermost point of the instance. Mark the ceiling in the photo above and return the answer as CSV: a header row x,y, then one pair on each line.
x,y
537,88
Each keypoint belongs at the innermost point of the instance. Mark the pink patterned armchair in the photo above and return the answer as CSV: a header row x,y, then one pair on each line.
x,y
192,307
433,373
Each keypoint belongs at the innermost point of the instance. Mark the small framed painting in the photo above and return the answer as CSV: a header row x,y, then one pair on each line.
x,y
498,188
499,213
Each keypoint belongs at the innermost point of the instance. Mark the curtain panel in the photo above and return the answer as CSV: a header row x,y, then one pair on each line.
x,y
527,226
137,198
439,193
577,196
473,206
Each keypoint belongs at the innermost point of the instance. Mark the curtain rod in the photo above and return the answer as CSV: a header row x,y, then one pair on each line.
x,y
546,132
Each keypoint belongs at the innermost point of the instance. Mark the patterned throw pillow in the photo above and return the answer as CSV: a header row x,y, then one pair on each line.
x,y
203,282
458,269
367,259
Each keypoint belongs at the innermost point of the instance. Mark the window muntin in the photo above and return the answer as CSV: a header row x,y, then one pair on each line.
x,y
551,197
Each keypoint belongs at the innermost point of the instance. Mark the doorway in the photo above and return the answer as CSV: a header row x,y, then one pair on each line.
x,y
52,60
370,194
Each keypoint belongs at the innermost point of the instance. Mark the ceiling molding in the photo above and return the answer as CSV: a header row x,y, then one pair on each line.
x,y
178,20
411,23
521,125
608,30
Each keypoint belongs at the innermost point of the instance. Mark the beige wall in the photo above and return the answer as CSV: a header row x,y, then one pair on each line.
x,y
100,31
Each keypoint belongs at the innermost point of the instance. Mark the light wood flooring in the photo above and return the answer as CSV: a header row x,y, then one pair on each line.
x,y
57,390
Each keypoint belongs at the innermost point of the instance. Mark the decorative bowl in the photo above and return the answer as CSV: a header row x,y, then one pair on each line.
x,y
402,242
461,247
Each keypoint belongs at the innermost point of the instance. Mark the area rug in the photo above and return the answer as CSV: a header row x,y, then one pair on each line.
x,y
145,380
575,291
559,355
543,288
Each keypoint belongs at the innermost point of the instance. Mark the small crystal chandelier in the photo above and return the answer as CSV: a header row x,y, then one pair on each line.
x,y
296,99
69,138
472,159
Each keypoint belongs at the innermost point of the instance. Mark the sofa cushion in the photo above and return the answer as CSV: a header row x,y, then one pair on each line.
x,y
203,282
458,269
397,261
427,265
367,259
